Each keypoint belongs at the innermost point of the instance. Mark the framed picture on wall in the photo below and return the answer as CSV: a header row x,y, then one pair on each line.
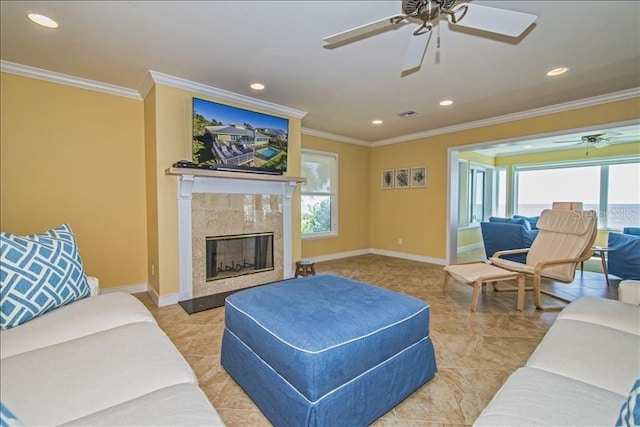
x,y
387,179
402,178
419,177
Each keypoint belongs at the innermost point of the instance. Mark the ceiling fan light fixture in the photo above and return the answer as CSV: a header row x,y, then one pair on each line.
x,y
446,102
257,86
557,71
42,20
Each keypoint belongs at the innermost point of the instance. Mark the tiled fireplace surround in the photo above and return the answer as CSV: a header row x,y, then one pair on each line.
x,y
216,206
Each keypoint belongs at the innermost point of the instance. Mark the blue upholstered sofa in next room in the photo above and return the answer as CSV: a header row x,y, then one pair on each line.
x,y
501,234
624,254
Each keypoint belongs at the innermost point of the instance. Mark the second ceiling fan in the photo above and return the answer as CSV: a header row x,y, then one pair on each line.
x,y
426,12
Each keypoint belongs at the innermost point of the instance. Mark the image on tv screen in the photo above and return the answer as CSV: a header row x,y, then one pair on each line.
x,y
235,137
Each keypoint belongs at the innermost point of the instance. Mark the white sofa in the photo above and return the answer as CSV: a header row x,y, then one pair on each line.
x,y
580,374
100,361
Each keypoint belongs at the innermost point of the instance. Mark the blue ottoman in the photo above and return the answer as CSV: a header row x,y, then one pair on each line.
x,y
326,350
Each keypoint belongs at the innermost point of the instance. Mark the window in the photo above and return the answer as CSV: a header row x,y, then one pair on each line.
x,y
475,193
477,186
611,188
319,194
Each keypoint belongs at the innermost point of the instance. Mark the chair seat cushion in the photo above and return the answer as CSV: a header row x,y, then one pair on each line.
x,y
304,328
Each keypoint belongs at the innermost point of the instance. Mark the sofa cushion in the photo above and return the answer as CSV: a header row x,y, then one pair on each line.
x,y
177,405
604,312
591,353
39,273
520,220
630,411
84,317
63,382
532,220
533,397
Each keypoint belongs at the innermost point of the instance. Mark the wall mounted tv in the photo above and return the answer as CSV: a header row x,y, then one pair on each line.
x,y
230,138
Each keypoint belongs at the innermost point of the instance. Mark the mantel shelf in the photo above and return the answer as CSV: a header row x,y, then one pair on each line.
x,y
233,175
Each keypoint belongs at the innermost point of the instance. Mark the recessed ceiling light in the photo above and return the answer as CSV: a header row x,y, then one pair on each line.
x,y
257,86
557,71
45,21
376,122
446,103
527,146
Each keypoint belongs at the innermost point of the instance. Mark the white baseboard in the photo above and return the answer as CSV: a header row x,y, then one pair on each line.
x,y
130,289
163,300
412,257
340,255
469,248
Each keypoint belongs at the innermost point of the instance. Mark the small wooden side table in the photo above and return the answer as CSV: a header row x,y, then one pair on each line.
x,y
601,252
305,267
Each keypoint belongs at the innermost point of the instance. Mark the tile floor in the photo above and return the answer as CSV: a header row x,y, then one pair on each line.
x,y
475,352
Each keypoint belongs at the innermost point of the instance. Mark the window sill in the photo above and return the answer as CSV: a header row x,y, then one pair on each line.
x,y
319,236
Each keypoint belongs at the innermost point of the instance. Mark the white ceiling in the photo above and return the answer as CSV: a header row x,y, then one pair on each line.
x,y
229,44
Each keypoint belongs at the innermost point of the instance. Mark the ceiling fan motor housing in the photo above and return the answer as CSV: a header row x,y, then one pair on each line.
x,y
425,10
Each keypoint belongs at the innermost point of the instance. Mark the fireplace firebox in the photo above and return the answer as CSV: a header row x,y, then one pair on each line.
x,y
237,255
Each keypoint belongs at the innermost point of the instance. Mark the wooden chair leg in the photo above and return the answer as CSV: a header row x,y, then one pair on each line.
x,y
520,305
476,292
445,282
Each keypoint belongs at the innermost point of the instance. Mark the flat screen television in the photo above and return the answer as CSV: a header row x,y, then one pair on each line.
x,y
230,138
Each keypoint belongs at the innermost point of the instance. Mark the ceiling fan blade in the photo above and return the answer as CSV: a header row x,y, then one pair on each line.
x,y
601,144
415,51
494,20
577,141
366,28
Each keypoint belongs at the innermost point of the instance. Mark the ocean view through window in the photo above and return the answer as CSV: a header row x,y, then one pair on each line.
x,y
611,188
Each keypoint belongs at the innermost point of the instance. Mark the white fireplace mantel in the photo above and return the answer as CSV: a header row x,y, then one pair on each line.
x,y
218,182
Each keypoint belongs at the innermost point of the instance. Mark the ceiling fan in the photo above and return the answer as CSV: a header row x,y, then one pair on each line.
x,y
597,140
427,12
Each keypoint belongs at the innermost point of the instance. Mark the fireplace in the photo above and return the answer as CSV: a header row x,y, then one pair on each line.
x,y
213,204
237,255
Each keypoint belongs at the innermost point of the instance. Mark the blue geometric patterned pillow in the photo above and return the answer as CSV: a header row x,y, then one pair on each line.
x,y
39,273
630,411
7,419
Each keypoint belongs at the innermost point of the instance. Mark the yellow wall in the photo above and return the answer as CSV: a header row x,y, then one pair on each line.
x,y
353,198
472,156
75,156
169,139
469,236
419,216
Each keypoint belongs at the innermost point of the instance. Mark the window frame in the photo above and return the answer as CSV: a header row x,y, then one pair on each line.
x,y
467,170
332,193
602,163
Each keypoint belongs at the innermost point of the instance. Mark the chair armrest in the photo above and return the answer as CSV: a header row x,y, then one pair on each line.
x,y
511,252
544,264
94,285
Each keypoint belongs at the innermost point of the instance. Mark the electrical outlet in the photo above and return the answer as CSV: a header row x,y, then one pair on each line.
x,y
400,242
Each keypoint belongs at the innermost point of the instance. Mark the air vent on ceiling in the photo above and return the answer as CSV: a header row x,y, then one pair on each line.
x,y
408,113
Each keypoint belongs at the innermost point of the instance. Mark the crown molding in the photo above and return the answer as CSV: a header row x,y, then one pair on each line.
x,y
566,106
191,86
334,137
65,79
